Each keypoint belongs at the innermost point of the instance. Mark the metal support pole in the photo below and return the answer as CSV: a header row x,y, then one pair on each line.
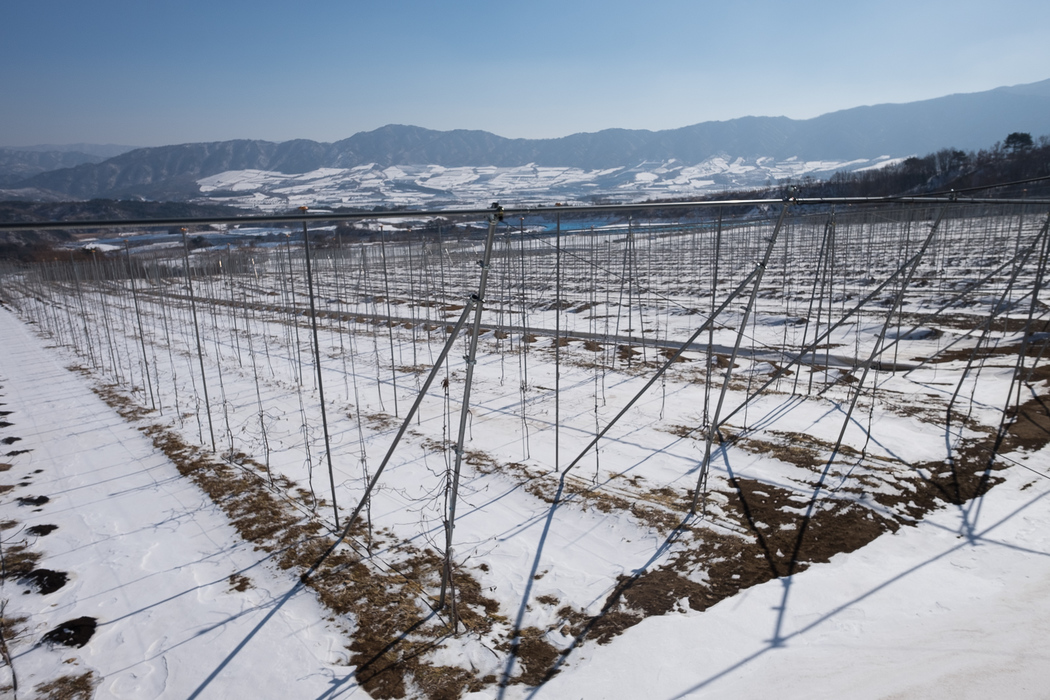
x,y
434,371
83,314
142,334
197,334
317,363
713,427
557,345
464,413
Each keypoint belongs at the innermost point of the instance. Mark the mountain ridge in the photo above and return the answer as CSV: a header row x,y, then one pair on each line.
x,y
963,120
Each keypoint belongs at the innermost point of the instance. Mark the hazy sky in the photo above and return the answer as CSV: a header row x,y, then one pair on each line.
x,y
150,73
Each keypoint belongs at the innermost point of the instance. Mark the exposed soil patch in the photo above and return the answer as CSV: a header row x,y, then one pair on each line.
x,y
81,687
659,592
1000,324
45,580
788,540
15,453
18,561
381,421
33,500
1030,429
791,452
682,431
10,440
650,510
967,475
536,655
668,353
240,583
11,627
713,566
391,626
72,633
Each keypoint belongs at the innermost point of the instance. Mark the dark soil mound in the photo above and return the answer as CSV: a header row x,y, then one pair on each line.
x,y
74,633
41,530
45,580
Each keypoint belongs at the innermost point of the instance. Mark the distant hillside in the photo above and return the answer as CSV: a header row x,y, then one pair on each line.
x,y
997,171
99,150
95,210
19,165
968,121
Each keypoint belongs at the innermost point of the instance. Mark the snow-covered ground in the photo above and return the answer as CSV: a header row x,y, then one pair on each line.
x,y
928,612
955,607
893,592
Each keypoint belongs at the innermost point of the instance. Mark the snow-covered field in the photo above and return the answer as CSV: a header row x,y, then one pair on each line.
x,y
847,373
434,186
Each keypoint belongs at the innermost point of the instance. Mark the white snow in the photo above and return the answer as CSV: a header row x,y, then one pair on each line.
x,y
954,608
148,555
435,185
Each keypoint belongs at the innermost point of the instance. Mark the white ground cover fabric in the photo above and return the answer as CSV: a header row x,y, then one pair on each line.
x,y
148,555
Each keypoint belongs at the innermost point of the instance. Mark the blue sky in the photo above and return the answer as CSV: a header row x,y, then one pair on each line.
x,y
150,73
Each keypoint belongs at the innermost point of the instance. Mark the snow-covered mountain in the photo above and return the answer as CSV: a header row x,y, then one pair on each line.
x,y
399,165
373,185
